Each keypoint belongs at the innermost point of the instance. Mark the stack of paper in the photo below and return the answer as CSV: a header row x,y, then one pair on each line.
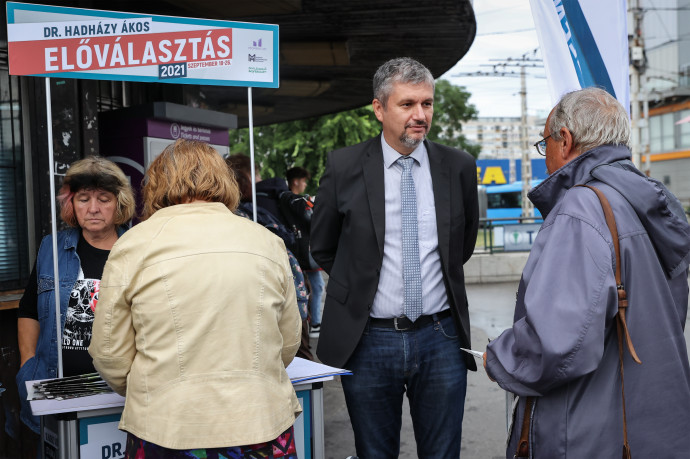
x,y
70,387
305,370
299,371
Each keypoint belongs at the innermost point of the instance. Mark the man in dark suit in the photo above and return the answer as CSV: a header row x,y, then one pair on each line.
x,y
395,219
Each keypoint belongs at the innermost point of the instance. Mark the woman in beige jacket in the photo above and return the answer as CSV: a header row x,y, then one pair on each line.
x,y
197,319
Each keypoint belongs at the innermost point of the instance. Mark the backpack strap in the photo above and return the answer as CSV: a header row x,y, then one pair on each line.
x,y
621,324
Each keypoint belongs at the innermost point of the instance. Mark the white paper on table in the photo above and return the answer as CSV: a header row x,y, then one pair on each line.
x,y
305,370
300,370
90,402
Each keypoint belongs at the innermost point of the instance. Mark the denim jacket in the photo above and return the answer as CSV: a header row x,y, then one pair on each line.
x,y
44,363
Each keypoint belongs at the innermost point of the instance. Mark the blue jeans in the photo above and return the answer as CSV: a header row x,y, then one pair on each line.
x,y
317,284
428,364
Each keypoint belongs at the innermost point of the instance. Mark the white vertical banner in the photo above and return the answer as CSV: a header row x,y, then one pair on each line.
x,y
584,43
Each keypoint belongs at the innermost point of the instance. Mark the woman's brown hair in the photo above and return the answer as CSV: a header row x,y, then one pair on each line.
x,y
185,171
91,173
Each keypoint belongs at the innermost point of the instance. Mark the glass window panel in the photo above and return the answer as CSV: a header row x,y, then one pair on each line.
x,y
655,134
14,263
684,130
667,127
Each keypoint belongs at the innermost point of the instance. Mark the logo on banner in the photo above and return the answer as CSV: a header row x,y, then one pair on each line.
x,y
255,58
587,60
175,130
258,44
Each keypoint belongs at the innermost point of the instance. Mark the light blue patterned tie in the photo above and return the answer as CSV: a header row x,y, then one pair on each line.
x,y
412,273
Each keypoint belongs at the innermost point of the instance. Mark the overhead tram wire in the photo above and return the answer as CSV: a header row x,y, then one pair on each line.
x,y
527,60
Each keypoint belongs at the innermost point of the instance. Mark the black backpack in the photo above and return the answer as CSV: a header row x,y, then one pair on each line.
x,y
297,211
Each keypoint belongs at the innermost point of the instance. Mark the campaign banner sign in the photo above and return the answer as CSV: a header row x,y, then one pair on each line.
x,y
65,42
584,43
99,437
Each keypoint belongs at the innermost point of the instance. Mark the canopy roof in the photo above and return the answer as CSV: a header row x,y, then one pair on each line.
x,y
329,50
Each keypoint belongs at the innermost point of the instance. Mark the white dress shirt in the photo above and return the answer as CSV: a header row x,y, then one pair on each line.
x,y
388,302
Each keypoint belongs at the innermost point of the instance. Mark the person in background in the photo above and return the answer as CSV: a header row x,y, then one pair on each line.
x,y
240,166
561,356
395,219
198,320
96,201
298,178
268,191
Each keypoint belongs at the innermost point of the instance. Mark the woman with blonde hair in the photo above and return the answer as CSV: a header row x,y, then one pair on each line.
x,y
96,201
198,319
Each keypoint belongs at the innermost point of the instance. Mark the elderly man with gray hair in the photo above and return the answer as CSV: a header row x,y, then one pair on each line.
x,y
597,353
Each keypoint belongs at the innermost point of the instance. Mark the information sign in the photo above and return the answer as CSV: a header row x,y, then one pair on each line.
x,y
519,237
107,45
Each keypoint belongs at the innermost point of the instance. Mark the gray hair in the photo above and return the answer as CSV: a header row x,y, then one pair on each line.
x,y
399,70
593,117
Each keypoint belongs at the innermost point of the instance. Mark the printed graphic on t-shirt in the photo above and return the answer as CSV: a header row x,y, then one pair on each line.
x,y
76,335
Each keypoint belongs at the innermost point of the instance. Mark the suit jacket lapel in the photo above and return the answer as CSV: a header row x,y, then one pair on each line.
x,y
372,170
440,177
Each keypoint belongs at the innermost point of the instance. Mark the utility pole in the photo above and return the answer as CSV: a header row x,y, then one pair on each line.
x,y
645,137
527,206
502,74
526,169
637,68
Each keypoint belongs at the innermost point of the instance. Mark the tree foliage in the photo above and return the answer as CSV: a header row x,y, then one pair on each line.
x,y
451,109
306,142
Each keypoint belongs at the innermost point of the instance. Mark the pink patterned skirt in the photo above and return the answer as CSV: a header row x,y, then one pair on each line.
x,y
282,447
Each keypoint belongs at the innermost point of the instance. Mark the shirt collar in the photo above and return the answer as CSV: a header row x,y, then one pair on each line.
x,y
390,155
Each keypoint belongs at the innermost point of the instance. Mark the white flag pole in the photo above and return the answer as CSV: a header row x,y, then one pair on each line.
x,y
53,221
251,150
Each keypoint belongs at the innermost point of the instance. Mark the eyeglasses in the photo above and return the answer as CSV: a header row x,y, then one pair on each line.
x,y
541,145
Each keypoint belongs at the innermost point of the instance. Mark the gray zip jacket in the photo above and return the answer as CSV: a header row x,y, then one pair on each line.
x,y
563,346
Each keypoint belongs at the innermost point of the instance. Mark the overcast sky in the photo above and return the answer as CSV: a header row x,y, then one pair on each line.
x,y
504,30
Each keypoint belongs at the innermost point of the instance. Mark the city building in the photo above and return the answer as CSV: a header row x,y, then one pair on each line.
x,y
665,86
499,137
500,158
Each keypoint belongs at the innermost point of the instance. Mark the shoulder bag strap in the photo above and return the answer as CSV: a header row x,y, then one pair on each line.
x,y
523,444
621,324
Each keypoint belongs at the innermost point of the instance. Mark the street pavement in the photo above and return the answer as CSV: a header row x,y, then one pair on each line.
x,y
484,425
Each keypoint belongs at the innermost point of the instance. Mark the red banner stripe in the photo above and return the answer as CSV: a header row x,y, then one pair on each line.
x,y
119,51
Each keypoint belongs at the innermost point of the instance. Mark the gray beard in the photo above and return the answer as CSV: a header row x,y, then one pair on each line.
x,y
409,141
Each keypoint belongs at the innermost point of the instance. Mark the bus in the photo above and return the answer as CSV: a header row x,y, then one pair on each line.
x,y
505,201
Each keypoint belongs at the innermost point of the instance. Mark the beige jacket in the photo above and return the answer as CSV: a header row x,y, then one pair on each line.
x,y
196,321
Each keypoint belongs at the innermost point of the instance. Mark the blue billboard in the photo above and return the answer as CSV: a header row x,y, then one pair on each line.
x,y
497,171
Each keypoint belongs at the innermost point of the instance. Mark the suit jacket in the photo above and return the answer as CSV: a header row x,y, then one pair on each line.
x,y
347,237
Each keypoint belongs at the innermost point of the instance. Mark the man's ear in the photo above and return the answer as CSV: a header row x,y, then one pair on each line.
x,y
378,109
567,148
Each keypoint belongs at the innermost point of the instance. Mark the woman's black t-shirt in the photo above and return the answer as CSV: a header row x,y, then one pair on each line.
x,y
76,335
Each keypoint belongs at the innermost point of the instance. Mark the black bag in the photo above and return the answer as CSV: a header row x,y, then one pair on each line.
x,y
297,211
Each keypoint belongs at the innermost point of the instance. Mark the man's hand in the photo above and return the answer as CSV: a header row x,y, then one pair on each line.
x,y
487,374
